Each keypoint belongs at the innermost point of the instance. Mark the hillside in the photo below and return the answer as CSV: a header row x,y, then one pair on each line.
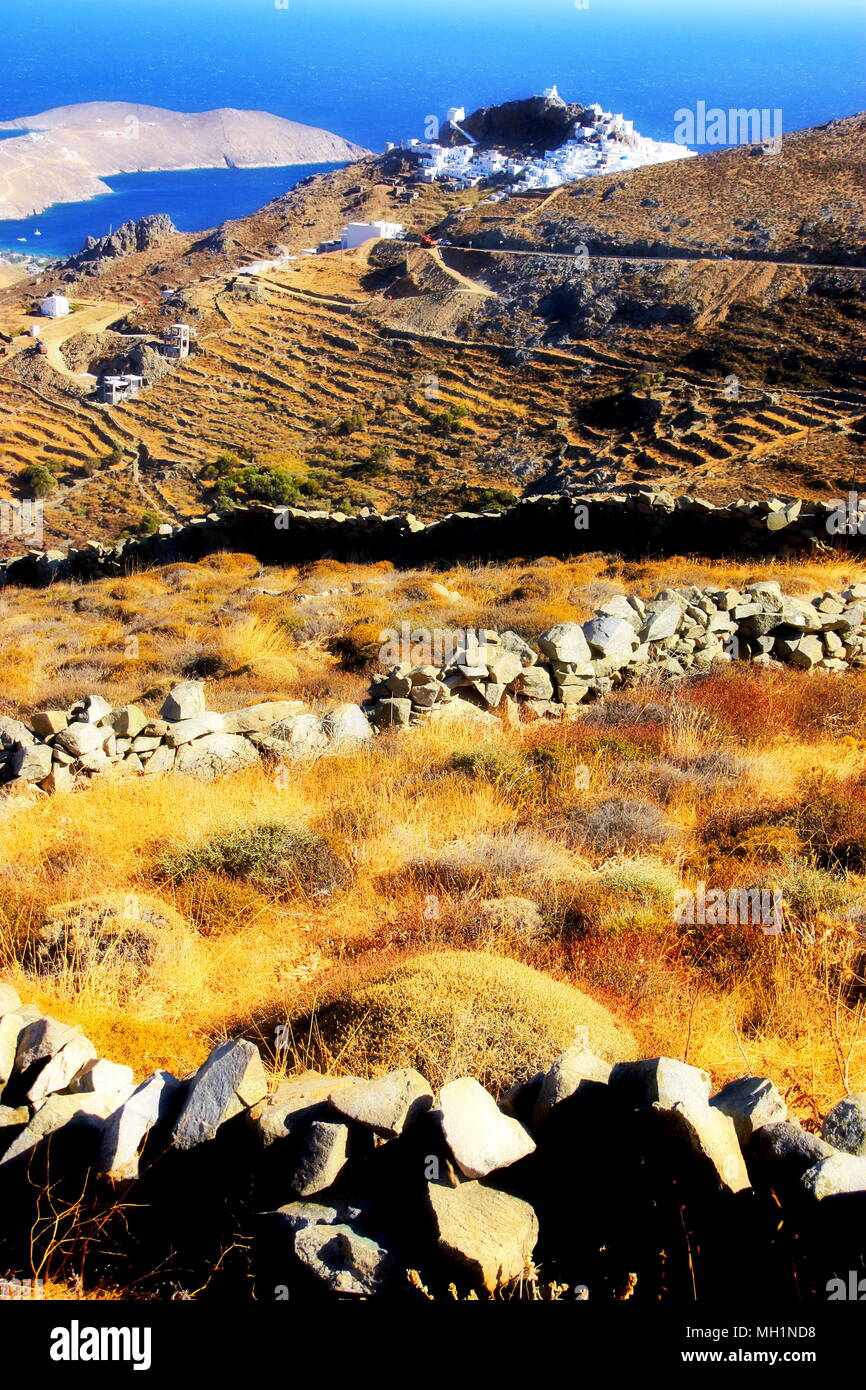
x,y
507,359
63,155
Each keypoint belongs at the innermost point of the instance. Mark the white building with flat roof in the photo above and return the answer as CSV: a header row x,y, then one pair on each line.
x,y
175,341
54,306
120,388
356,233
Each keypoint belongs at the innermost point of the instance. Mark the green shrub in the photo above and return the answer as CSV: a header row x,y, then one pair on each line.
x,y
38,480
270,855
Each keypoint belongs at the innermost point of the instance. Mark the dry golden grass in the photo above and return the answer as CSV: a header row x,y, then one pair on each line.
x,y
434,824
133,634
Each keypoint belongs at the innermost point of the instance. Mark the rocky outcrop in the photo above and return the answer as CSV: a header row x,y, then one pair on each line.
x,y
530,124
470,674
632,1177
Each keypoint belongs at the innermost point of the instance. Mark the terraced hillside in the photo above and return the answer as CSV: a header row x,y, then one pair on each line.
x,y
441,377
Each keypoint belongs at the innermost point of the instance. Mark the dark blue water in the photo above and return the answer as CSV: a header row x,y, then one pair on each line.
x,y
193,198
373,71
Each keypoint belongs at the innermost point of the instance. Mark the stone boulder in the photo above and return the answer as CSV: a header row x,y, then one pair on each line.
x,y
480,1137
566,642
150,1104
387,1104
489,1234
750,1101
345,1262
215,755
228,1082
184,701
845,1125
575,1068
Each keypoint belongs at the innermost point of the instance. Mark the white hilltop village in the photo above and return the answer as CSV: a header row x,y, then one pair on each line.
x,y
610,144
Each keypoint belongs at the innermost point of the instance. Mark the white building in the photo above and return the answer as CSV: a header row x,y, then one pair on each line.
x,y
609,143
120,388
175,341
356,233
54,306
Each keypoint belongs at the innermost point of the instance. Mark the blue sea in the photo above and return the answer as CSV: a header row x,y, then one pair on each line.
x,y
193,198
376,71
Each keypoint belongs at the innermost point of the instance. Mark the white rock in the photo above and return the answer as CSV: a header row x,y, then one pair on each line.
x,y
185,730
479,1136
184,701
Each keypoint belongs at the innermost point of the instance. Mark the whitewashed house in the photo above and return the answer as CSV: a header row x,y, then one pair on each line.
x,y
356,233
54,306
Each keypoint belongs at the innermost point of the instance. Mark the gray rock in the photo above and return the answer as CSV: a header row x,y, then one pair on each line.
x,y
255,719
92,709
613,639
511,642
323,1157
505,667
750,1101
663,619
295,1216
161,760
535,683
47,722
388,1103
481,1138
836,1174
128,721
346,727
60,1069
80,739
213,756
347,1263
98,1074
845,1125
660,1081
12,731
184,701
41,1039
229,1081
59,1111
31,761
785,1150
185,730
713,1137
565,642
294,1102
489,1234
571,1070
303,737
126,1129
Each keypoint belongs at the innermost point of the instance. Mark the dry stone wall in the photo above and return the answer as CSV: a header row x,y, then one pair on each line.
x,y
62,749
486,676
622,1180
637,521
680,632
